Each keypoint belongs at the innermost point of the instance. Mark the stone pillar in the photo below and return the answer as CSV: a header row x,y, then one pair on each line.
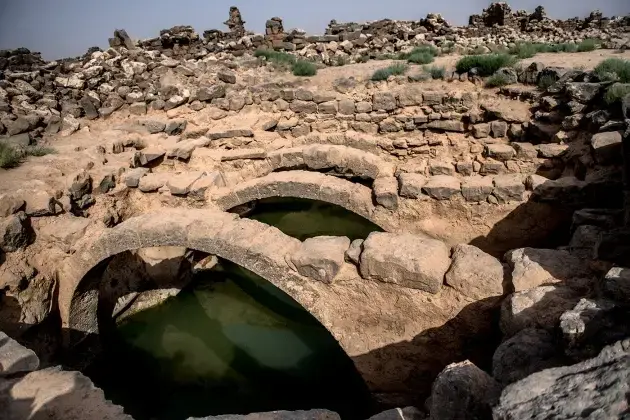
x,y
235,22
274,32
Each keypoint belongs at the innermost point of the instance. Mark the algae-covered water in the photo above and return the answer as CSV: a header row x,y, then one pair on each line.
x,y
232,343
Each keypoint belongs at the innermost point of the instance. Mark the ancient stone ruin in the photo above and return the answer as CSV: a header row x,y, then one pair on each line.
x,y
493,280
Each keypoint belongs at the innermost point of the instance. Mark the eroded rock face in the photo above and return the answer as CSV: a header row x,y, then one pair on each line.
x,y
15,358
408,260
474,273
573,391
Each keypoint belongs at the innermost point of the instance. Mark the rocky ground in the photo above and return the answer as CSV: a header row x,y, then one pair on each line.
x,y
496,202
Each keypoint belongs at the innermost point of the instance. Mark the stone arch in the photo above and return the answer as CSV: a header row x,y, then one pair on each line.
x,y
354,197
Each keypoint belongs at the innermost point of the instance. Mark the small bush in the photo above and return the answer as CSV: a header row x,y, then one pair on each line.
x,y
497,80
276,57
304,68
436,72
387,57
421,58
397,69
487,65
546,81
9,156
562,48
588,45
478,50
614,69
616,93
525,49
39,151
363,59
423,54
340,61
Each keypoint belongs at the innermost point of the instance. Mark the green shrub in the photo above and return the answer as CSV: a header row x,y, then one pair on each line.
x,y
304,68
341,60
397,69
615,93
387,57
487,65
478,50
525,49
497,80
9,156
423,54
363,59
588,45
562,48
436,72
614,69
40,151
545,81
421,58
276,57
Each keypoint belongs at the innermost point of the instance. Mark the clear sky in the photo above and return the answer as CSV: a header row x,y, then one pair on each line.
x,y
64,28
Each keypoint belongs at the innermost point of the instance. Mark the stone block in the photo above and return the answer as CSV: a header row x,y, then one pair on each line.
x,y
386,192
508,188
442,187
477,188
320,258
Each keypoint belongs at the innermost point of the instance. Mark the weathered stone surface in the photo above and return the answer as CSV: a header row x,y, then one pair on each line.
x,y
154,126
508,188
317,414
481,130
530,350
307,107
406,413
180,184
39,203
79,184
583,92
501,152
409,260
596,388
383,101
442,187
353,253
607,147
132,177
15,358
447,125
525,151
533,267
10,204
56,394
386,192
208,93
227,76
477,188
146,156
498,129
411,184
617,284
14,232
463,391
540,307
153,181
65,231
320,258
474,273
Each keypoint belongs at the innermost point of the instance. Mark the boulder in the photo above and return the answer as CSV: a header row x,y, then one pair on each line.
x,y
15,358
477,188
132,177
353,253
474,273
597,388
180,184
147,156
227,76
616,284
442,187
64,231
463,391
208,93
14,232
508,188
18,126
383,101
154,126
532,267
582,92
411,184
607,147
10,204
320,258
498,129
176,127
501,152
540,307
409,260
386,192
79,184
530,350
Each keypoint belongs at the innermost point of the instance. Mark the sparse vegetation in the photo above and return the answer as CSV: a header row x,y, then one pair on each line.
x,y
588,45
485,64
341,60
304,68
363,59
276,57
615,69
424,54
478,50
39,151
436,72
397,69
9,156
497,80
421,58
616,92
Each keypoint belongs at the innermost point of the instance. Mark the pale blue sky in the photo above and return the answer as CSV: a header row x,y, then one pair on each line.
x,y
62,28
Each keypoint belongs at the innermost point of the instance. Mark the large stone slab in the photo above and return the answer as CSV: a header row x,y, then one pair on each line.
x,y
409,260
15,358
442,187
320,258
474,273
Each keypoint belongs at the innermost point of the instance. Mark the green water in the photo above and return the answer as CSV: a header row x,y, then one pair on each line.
x,y
232,343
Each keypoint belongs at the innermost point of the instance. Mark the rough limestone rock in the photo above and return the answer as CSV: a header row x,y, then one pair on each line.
x,y
406,259
583,92
56,394
530,350
65,231
14,232
10,204
442,187
597,388
15,358
540,307
591,325
132,178
477,188
411,184
320,258
463,391
607,147
508,188
616,284
353,253
533,267
386,192
474,273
